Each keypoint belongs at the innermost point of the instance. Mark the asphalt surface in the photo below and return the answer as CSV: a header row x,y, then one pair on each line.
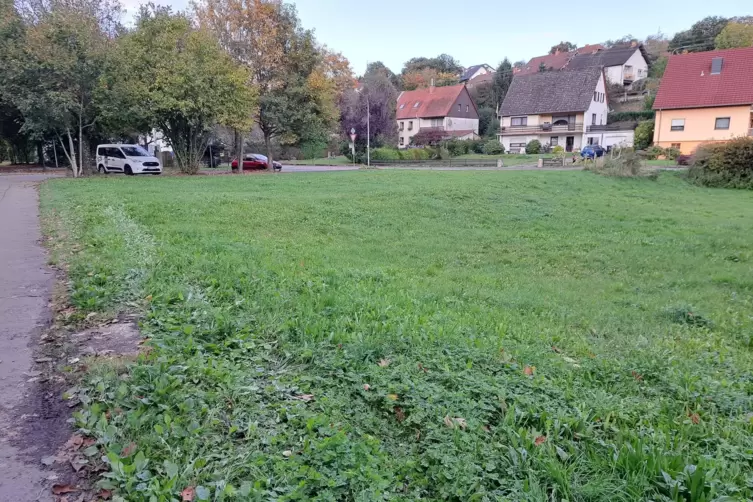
x,y
25,288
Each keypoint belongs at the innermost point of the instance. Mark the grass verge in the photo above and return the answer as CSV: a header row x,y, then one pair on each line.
x,y
398,335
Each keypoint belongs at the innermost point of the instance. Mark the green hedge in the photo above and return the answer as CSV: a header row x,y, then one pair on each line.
x,y
627,116
727,165
395,154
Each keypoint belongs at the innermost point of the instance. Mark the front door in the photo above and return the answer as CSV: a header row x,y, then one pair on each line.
x,y
569,143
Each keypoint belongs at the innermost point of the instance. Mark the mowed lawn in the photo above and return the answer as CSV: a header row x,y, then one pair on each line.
x,y
418,335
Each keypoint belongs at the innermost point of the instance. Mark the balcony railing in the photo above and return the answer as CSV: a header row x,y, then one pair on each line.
x,y
540,129
613,127
629,76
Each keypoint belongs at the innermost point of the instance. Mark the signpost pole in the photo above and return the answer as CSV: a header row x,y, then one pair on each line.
x,y
353,137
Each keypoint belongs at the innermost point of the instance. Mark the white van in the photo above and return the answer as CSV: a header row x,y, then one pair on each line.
x,y
128,159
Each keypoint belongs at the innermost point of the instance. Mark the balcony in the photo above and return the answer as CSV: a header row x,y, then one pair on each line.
x,y
540,129
620,126
629,77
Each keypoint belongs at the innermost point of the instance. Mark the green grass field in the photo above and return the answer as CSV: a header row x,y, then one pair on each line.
x,y
402,335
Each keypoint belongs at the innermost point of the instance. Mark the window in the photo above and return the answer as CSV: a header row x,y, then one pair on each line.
x,y
603,97
519,121
402,106
410,125
402,141
402,126
676,146
437,122
460,107
467,108
135,151
678,125
115,153
554,141
418,103
722,123
596,96
517,147
591,141
716,66
593,119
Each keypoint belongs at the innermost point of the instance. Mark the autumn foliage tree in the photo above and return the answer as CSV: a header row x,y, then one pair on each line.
x,y
298,81
181,79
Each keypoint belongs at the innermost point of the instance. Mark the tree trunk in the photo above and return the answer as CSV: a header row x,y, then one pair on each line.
x,y
40,156
240,152
270,160
55,152
70,153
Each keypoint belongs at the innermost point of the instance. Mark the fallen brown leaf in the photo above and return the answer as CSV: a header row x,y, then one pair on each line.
x,y
305,397
188,494
149,298
695,418
62,489
637,376
366,387
129,450
529,370
104,494
74,442
89,442
461,422
449,422
399,413
486,428
540,440
384,363
555,349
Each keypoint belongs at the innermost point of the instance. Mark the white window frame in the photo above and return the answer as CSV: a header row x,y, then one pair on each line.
x,y
677,125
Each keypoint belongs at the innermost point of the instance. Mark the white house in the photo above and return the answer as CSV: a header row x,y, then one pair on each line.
x,y
623,64
558,108
476,71
449,110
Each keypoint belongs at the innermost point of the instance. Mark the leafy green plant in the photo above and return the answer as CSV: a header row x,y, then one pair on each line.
x,y
644,115
533,147
727,164
493,147
644,135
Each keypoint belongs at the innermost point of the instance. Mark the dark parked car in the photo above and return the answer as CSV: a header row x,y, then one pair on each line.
x,y
592,151
253,161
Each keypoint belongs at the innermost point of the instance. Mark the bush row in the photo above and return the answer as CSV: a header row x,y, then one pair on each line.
x,y
727,164
395,154
625,116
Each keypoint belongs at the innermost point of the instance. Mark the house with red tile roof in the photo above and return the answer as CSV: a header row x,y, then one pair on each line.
x,y
449,110
705,97
556,61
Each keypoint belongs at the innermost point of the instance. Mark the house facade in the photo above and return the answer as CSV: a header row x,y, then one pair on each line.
x,y
705,97
556,61
623,63
561,108
449,110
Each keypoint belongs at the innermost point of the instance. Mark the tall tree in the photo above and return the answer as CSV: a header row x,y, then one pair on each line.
x,y
289,69
379,67
563,47
735,35
52,80
377,88
700,37
183,79
626,39
444,63
502,80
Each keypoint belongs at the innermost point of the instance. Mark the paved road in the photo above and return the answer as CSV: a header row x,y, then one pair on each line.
x,y
25,285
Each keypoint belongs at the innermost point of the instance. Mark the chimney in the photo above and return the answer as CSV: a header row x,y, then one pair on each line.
x,y
431,87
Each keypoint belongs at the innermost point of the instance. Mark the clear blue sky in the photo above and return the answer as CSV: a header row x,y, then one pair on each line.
x,y
486,31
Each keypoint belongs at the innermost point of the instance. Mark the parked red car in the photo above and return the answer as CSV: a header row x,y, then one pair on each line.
x,y
253,161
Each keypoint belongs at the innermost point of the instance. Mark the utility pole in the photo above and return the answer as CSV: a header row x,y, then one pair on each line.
x,y
368,131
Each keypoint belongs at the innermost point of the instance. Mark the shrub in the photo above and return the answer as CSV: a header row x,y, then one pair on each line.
x,y
684,160
626,164
385,154
558,150
415,154
630,116
533,147
724,164
493,147
644,135
457,147
672,153
655,152
476,146
442,153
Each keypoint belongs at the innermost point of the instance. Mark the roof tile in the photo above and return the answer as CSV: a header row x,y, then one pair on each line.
x,y
688,82
428,102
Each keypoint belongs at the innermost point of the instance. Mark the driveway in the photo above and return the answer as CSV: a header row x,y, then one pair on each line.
x,y
25,287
